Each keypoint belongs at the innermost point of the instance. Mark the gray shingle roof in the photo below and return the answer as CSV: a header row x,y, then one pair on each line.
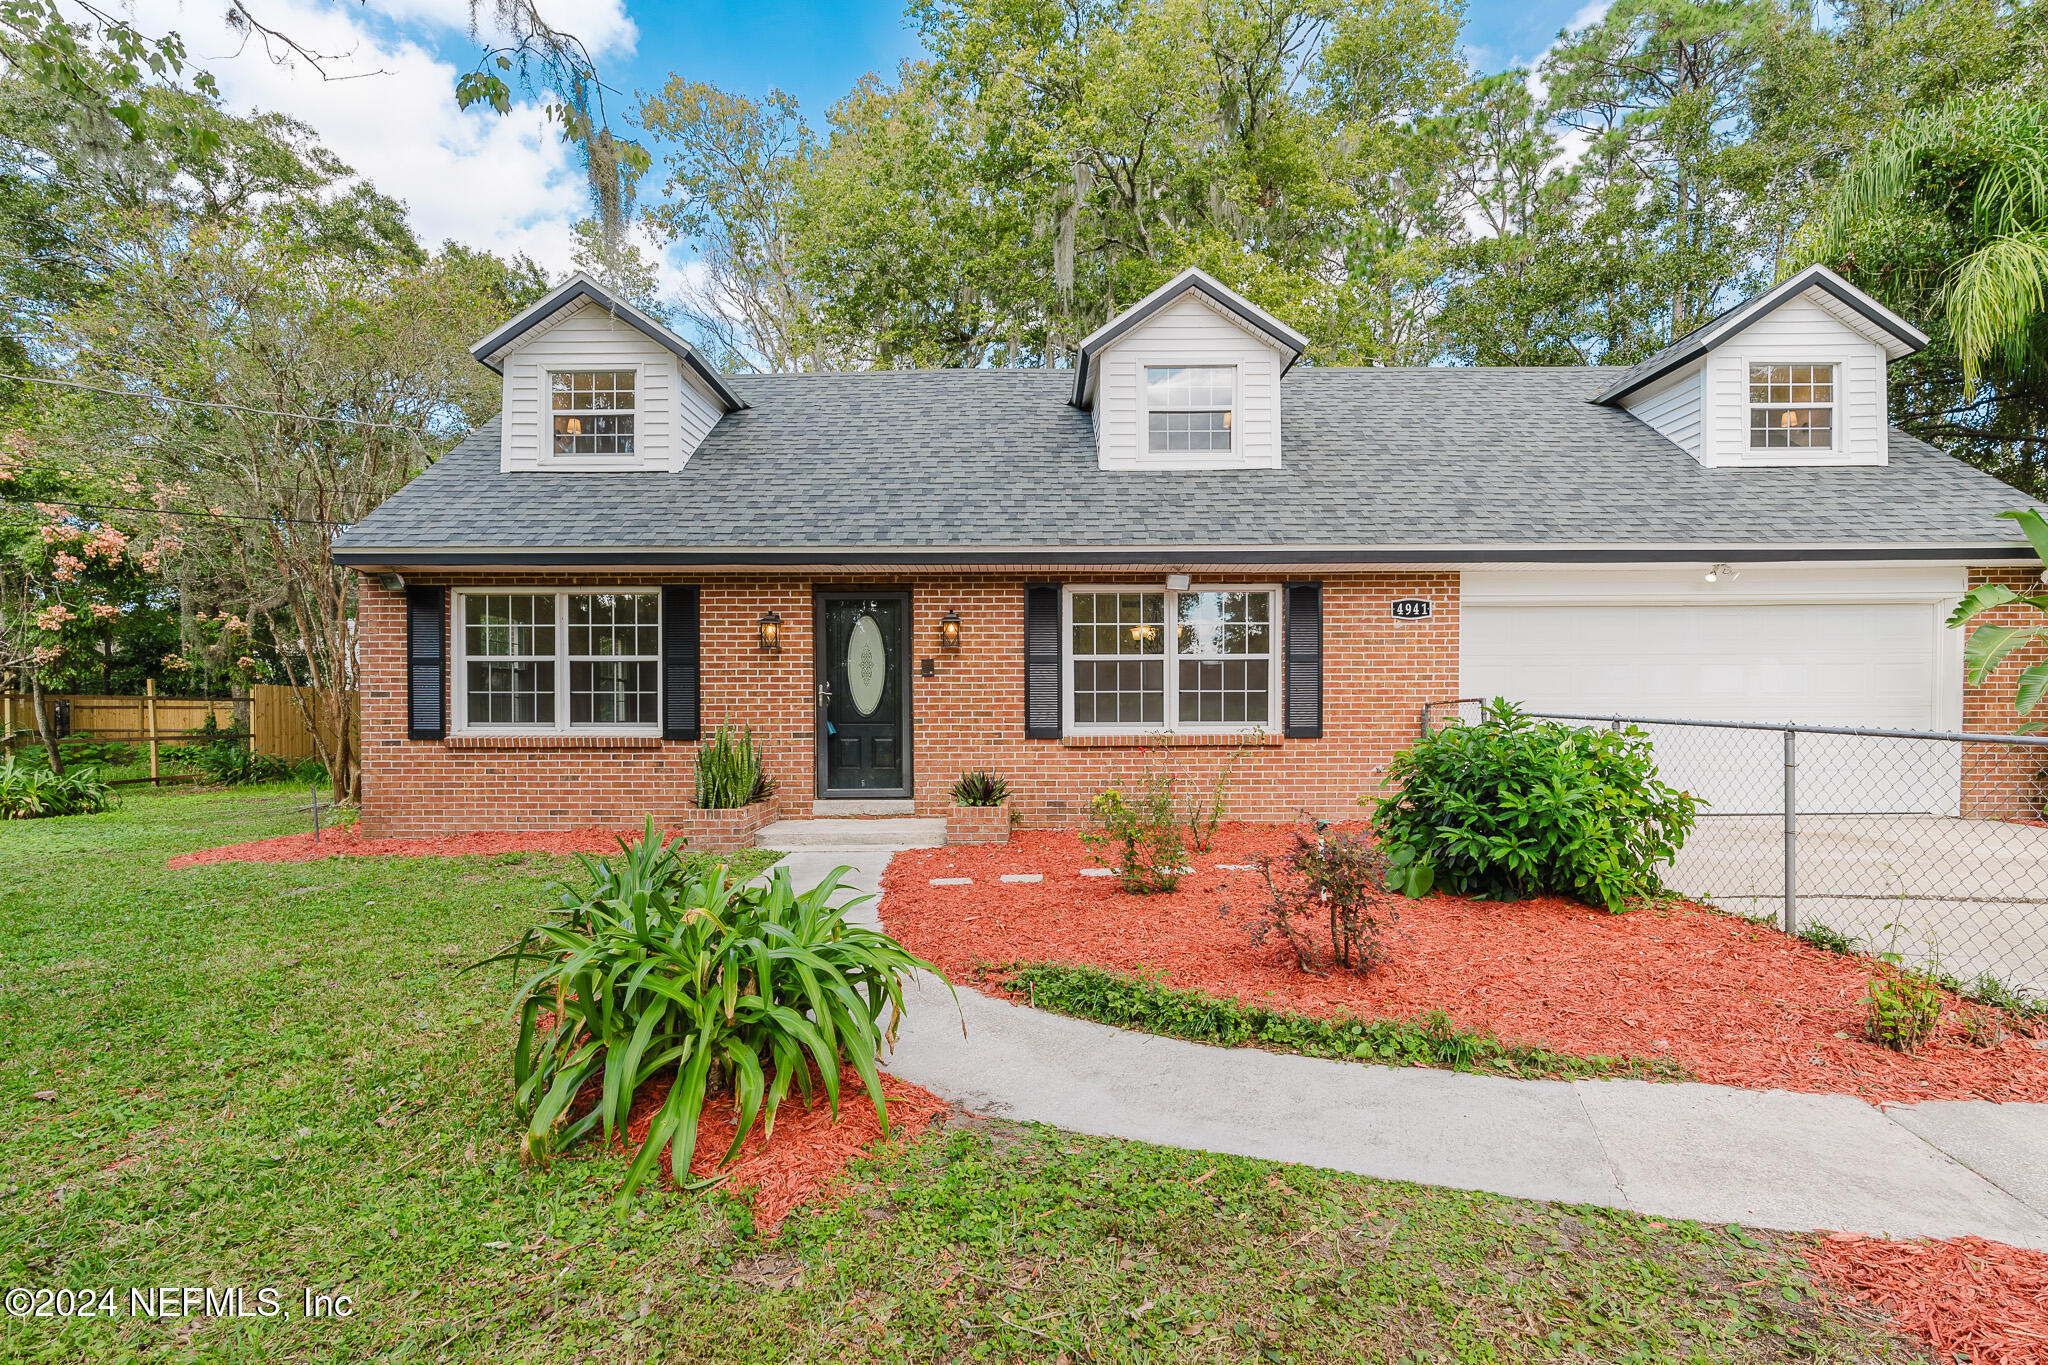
x,y
1381,465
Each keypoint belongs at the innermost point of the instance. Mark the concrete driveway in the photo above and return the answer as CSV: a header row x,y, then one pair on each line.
x,y
1972,893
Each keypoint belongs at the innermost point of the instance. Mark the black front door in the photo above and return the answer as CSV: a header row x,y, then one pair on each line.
x,y
863,694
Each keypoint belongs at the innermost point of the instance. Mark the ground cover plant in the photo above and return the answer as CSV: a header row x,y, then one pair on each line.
x,y
1726,999
1513,807
1126,1000
226,757
37,793
277,1073
712,982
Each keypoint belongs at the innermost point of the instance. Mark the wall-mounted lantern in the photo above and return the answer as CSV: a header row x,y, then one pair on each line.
x,y
949,630
771,633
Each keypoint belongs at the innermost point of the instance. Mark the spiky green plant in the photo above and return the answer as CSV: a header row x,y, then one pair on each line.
x,y
1983,160
980,788
730,772
34,793
726,985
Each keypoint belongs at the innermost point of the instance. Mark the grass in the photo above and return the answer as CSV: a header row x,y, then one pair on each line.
x,y
276,1075
1150,1006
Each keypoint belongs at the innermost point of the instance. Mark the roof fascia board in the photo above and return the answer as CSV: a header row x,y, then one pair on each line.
x,y
578,289
1881,318
1377,555
1217,293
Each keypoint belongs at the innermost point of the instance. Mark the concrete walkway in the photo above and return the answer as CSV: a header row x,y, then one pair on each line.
x,y
1768,1158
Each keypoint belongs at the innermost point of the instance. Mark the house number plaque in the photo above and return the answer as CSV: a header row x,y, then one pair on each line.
x,y
1412,609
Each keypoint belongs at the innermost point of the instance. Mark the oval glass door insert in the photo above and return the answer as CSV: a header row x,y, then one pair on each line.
x,y
867,664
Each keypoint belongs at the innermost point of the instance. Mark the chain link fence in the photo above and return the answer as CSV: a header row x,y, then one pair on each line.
x,y
1932,846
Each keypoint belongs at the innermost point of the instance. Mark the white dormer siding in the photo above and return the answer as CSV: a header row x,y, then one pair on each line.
x,y
1189,331
1799,332
671,414
1672,408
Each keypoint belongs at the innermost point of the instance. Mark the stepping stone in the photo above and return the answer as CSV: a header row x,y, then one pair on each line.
x,y
1237,867
1098,872
952,881
1023,876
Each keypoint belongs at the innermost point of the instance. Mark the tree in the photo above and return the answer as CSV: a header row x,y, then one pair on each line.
x,y
1946,218
303,387
1991,644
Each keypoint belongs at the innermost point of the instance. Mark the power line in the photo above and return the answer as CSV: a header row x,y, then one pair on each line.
x,y
167,511
221,407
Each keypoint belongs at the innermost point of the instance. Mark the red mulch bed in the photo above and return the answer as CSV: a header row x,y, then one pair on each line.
x,y
1735,1003
1972,1300
808,1149
347,843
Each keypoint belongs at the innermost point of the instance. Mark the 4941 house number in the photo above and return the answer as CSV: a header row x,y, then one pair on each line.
x,y
1412,608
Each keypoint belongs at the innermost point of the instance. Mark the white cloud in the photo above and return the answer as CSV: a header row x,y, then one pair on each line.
x,y
505,183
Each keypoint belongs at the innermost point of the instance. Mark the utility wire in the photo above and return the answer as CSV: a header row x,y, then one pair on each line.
x,y
167,511
221,407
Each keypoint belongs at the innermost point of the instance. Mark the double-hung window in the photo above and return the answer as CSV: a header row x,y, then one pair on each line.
x,y
593,411
564,661
1791,407
1158,659
1189,408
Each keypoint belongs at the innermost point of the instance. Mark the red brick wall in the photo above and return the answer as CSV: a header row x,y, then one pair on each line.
x,y
2003,782
1377,674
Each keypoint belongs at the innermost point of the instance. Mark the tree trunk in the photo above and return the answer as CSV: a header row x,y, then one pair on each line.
x,y
48,736
240,692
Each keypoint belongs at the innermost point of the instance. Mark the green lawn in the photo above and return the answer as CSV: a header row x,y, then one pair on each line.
x,y
277,1076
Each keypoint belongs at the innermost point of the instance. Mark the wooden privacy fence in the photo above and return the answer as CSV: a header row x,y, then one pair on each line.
x,y
276,724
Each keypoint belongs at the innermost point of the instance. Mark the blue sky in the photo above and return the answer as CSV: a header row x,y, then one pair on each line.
x,y
507,184
816,49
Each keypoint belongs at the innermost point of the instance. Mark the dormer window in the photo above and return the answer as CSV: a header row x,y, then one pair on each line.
x,y
1189,408
593,411
1791,407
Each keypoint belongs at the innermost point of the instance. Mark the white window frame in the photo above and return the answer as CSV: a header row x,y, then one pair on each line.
x,y
459,674
1832,450
1171,659
1145,411
547,417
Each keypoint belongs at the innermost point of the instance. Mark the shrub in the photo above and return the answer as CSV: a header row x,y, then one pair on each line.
x,y
658,968
980,788
1512,807
729,772
1901,1011
1205,808
37,793
1145,831
81,750
223,756
1339,880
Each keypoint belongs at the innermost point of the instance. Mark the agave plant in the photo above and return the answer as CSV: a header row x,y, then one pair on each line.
x,y
728,984
980,788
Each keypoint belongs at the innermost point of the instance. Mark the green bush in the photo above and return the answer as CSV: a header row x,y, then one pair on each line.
x,y
659,967
1513,807
79,751
1901,1011
980,788
223,756
35,793
729,772
1430,1039
1145,832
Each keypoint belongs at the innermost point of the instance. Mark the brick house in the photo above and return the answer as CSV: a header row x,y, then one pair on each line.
x,y
1187,542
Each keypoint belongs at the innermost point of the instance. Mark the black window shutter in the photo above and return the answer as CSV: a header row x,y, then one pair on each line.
x,y
1304,701
1042,634
426,663
681,654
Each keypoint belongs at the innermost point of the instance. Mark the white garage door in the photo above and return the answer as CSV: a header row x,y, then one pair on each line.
x,y
1875,664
